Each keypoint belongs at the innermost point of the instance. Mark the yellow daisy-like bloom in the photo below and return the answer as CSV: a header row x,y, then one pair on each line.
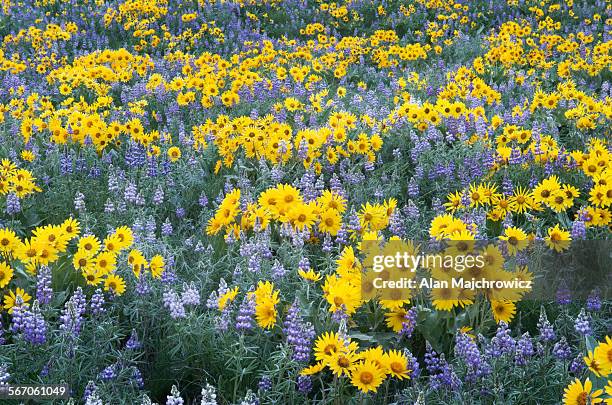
x,y
366,376
112,244
8,241
89,245
174,153
115,284
594,365
446,298
301,216
557,238
6,274
105,262
309,275
71,228
266,299
516,239
521,200
341,362
92,276
14,298
326,345
503,310
396,319
314,369
81,260
578,394
157,265
227,298
330,222
125,236
396,364
603,354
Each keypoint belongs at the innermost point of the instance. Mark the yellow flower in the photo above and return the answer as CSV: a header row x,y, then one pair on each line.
x,y
594,365
326,345
157,265
341,362
366,376
6,274
557,238
18,297
314,369
503,310
603,354
174,153
516,239
90,245
578,394
330,222
309,275
227,298
115,284
396,364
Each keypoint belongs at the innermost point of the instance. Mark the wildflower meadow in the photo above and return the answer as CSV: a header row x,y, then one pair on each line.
x,y
243,202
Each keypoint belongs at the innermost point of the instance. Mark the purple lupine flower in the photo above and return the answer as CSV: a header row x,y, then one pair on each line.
x,y
71,319
563,295
502,343
561,349
209,395
593,301
547,333
203,200
142,285
166,228
578,230
79,201
18,316
441,374
172,301
97,302
410,322
137,378
90,389
467,350
109,372
190,295
524,349
278,270
35,327
304,384
158,196
577,366
412,365
265,383
44,293
13,204
299,334
133,343
2,339
582,324
246,313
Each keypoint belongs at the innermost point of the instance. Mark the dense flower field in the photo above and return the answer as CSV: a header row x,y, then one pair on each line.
x,y
190,192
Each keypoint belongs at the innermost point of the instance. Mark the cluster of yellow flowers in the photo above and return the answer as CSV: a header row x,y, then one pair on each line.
x,y
42,249
599,362
365,369
16,180
97,260
283,203
97,70
42,42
